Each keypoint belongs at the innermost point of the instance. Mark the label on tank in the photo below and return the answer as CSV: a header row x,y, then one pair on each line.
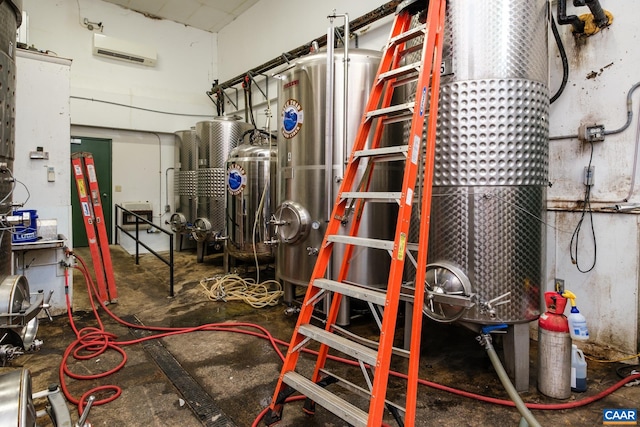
x,y
292,118
236,179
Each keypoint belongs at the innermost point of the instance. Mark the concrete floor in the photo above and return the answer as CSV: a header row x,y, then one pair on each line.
x,y
222,378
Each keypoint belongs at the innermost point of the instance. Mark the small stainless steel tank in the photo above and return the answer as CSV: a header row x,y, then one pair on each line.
x,y
185,181
216,139
251,200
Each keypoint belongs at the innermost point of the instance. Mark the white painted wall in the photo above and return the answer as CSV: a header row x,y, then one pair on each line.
x,y
142,140
187,64
42,120
603,69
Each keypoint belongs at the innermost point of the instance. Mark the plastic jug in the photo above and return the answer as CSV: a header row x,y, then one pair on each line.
x,y
578,370
577,325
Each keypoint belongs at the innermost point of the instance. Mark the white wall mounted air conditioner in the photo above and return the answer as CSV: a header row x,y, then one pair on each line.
x,y
123,50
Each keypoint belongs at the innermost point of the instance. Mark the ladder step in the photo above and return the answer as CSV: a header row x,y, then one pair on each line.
x,y
342,344
373,196
361,241
401,71
394,110
323,397
353,291
362,392
406,36
396,152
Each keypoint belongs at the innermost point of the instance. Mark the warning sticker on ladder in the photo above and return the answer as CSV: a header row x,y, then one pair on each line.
x,y
416,149
85,209
401,246
81,188
91,171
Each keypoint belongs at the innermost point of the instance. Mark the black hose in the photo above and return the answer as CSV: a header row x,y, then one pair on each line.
x,y
565,61
563,19
600,18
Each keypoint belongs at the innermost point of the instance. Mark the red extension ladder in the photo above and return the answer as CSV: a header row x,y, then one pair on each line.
x,y
93,217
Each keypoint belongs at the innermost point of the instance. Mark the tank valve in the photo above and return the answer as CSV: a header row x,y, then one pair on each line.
x,y
312,251
489,307
290,311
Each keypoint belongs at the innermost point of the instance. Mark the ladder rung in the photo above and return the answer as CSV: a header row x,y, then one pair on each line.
x,y
340,407
397,152
342,344
406,36
361,241
362,392
392,110
372,196
401,71
353,291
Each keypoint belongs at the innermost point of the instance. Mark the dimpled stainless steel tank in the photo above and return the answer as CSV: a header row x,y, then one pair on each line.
x,y
303,166
185,180
216,139
491,167
10,18
251,174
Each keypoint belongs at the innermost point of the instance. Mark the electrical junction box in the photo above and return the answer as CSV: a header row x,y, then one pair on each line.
x,y
591,133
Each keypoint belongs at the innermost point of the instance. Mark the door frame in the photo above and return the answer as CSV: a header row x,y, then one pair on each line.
x,y
101,149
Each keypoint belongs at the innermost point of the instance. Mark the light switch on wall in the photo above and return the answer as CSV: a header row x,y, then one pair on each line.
x,y
51,174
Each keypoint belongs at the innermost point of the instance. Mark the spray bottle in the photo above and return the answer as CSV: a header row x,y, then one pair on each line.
x,y
577,322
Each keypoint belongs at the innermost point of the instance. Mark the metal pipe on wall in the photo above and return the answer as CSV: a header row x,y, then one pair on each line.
x,y
360,22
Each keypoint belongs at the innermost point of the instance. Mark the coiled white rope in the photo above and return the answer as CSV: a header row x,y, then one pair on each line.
x,y
232,287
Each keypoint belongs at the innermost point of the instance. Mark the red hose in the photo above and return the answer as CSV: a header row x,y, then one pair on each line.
x,y
91,342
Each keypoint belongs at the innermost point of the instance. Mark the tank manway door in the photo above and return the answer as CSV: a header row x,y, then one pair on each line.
x,y
423,78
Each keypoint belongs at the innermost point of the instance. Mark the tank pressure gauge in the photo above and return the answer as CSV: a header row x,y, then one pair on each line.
x,y
315,225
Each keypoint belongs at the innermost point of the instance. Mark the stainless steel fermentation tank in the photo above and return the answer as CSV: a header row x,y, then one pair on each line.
x,y
216,138
10,16
310,170
251,200
185,183
487,236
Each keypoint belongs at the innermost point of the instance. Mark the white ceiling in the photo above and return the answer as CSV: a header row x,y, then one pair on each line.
x,y
208,15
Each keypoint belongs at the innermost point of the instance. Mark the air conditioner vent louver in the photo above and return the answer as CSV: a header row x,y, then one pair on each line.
x,y
120,56
123,50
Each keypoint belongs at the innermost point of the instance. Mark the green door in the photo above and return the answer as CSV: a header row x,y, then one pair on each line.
x,y
101,151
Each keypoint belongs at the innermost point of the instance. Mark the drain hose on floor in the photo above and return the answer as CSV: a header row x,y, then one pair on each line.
x,y
528,420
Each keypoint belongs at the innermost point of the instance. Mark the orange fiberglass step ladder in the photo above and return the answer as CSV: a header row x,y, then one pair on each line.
x,y
93,218
379,112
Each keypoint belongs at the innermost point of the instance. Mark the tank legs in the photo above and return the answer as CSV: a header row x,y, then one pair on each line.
x,y
516,355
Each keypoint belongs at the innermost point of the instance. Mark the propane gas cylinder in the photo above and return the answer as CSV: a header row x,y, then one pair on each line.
x,y
554,349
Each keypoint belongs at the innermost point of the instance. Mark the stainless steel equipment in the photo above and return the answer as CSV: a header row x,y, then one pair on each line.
x,y
216,138
17,407
487,240
251,200
185,181
310,168
491,167
11,17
